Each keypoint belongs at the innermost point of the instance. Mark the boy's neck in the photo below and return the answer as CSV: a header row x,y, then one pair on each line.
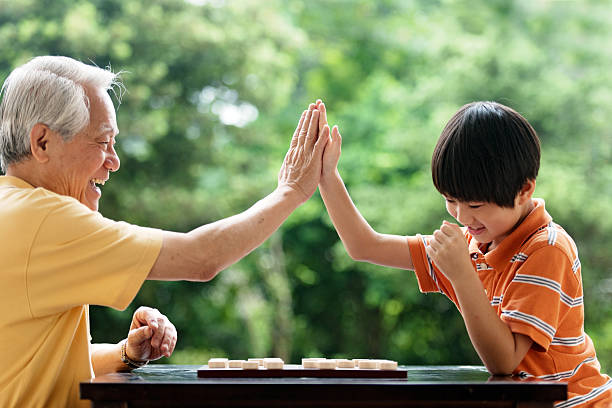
x,y
524,211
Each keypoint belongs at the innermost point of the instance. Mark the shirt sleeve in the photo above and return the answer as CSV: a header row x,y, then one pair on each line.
x,y
79,257
430,279
540,295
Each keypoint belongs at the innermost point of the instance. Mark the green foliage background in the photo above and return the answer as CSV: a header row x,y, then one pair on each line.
x,y
215,89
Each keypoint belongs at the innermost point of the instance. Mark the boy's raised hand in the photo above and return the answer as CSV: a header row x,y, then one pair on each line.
x,y
449,250
331,155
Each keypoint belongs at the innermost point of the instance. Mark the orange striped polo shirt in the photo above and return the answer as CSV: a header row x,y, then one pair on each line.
x,y
533,281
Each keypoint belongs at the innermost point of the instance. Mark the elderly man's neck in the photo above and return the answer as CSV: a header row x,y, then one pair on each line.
x,y
28,172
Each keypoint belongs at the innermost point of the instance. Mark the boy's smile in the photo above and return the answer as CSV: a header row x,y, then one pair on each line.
x,y
475,231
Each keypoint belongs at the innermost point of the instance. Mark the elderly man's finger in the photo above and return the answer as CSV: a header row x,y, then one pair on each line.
x,y
313,131
305,124
173,345
158,334
142,316
294,139
151,317
140,335
169,341
138,343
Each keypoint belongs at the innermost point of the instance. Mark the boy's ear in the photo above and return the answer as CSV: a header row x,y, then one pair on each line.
x,y
40,137
526,192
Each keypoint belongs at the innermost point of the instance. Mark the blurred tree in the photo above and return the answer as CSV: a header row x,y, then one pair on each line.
x,y
214,91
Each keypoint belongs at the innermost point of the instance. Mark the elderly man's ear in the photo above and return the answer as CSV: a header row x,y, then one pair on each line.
x,y
40,137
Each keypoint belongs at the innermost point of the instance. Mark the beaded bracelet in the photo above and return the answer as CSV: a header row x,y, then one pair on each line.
x,y
128,361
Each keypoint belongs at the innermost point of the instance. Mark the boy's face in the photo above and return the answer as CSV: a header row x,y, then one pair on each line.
x,y
487,222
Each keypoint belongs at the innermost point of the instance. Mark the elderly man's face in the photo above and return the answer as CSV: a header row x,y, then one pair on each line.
x,y
86,160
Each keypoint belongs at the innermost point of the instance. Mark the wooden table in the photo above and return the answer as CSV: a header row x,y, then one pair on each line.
x,y
428,386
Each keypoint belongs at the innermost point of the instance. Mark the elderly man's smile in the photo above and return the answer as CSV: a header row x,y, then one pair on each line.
x,y
94,182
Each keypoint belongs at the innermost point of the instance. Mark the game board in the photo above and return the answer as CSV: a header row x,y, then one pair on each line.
x,y
310,368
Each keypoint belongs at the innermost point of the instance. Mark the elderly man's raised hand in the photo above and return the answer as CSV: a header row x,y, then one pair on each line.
x,y
151,336
301,169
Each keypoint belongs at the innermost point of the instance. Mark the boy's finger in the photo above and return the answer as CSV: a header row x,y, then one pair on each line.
x,y
322,115
336,137
323,139
449,228
336,133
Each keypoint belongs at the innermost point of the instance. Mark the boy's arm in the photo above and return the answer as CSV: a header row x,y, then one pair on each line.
x,y
361,242
499,348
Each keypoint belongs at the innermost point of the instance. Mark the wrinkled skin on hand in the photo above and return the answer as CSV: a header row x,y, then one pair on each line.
x,y
301,169
151,335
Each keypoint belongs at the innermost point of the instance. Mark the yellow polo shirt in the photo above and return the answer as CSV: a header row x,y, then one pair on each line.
x,y
58,257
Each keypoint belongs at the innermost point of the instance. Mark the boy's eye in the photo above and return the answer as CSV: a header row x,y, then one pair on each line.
x,y
475,205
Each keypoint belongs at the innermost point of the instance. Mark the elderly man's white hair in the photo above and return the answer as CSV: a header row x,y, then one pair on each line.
x,y
49,90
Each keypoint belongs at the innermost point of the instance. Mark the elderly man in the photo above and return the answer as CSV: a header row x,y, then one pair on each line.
x,y
59,254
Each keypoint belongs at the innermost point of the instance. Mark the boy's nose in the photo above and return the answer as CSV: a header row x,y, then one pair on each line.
x,y
463,215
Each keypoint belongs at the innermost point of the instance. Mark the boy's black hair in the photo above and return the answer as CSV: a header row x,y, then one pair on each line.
x,y
486,153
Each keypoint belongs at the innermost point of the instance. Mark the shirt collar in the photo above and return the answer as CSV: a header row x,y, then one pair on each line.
x,y
12,181
498,257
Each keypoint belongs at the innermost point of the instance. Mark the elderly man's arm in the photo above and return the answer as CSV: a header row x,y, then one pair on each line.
x,y
200,254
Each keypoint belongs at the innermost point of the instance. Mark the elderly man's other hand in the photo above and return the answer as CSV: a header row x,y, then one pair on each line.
x,y
151,335
301,169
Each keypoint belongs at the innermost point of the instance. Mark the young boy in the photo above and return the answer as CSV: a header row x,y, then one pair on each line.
x,y
513,274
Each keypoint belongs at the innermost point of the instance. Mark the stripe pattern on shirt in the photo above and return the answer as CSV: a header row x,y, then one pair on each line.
x,y
520,257
552,233
532,320
550,284
561,375
581,399
568,341
497,300
430,267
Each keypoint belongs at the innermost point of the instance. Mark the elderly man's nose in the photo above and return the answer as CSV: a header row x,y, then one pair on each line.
x,y
112,161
